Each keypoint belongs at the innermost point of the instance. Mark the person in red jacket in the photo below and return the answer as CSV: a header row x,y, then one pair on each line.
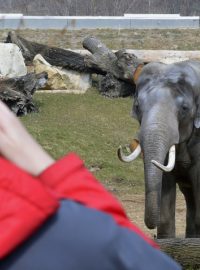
x,y
56,215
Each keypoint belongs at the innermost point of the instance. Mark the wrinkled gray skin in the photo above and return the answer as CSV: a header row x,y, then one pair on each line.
x,y
167,106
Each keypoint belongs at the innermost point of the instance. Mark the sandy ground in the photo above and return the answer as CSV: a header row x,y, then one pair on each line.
x,y
134,205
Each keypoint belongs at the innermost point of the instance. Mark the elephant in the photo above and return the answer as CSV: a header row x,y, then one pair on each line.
x,y
167,107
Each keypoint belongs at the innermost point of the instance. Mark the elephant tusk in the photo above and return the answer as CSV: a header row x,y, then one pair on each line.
x,y
171,161
132,156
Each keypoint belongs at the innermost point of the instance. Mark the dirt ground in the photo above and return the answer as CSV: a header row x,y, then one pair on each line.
x,y
134,205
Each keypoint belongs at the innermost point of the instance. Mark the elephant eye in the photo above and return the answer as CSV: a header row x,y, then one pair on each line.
x,y
184,110
136,105
185,107
136,110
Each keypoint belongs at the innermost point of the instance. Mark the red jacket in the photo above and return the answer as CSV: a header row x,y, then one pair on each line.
x,y
26,202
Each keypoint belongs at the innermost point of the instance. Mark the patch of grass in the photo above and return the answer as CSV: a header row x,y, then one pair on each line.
x,y
155,39
92,126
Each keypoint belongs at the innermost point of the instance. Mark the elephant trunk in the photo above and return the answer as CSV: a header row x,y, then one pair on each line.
x,y
153,177
156,138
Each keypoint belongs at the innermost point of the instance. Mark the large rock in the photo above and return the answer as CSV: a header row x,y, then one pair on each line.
x,y
11,61
62,79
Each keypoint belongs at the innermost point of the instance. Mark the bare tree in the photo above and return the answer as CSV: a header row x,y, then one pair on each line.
x,y
99,8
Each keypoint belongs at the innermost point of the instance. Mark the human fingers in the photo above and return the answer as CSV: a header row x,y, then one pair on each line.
x,y
18,145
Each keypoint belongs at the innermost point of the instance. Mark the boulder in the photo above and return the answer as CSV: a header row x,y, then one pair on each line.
x,y
62,79
11,61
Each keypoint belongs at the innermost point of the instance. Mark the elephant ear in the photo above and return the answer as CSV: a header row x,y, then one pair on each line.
x,y
197,116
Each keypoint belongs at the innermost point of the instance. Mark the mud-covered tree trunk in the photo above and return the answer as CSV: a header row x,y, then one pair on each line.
x,y
186,251
18,92
111,87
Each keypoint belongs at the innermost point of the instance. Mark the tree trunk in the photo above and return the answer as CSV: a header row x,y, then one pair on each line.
x,y
120,64
118,67
185,251
54,56
111,87
17,92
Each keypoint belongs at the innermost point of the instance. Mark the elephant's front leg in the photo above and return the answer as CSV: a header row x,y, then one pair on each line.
x,y
195,179
166,228
187,191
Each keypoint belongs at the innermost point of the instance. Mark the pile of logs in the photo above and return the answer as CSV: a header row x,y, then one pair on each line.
x,y
114,70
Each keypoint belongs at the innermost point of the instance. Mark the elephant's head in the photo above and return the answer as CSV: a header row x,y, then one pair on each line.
x,y
166,104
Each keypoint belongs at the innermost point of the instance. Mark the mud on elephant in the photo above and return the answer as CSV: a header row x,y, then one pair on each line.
x,y
167,106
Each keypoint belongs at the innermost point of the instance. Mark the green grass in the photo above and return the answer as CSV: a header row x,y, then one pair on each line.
x,y
154,39
92,126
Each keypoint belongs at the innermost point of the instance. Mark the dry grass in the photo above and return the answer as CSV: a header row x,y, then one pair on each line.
x,y
155,39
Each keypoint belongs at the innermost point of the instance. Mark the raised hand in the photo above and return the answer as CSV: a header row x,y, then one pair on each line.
x,y
18,146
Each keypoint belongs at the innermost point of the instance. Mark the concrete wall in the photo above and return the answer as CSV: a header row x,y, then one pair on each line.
x,y
19,21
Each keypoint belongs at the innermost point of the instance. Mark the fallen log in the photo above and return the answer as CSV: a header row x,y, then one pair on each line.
x,y
18,92
54,56
111,87
186,251
164,56
119,66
